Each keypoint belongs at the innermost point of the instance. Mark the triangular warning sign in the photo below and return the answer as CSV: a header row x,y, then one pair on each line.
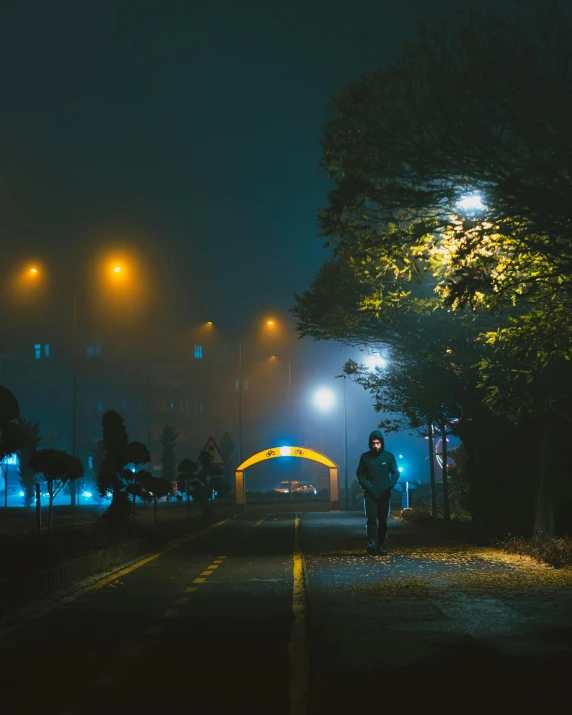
x,y
212,447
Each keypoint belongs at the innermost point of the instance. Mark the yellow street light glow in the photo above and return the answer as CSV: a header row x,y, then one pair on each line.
x,y
117,269
210,322
270,322
33,270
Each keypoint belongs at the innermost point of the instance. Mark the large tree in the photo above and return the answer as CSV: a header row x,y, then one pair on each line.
x,y
452,189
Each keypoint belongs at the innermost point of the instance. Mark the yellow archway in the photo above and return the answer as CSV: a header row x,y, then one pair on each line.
x,y
275,452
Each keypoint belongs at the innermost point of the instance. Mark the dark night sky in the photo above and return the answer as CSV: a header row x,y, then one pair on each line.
x,y
193,126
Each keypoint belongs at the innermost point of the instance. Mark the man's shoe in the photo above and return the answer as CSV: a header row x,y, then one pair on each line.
x,y
380,550
372,547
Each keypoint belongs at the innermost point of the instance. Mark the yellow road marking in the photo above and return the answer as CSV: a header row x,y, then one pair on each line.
x,y
190,589
136,565
206,573
218,562
299,645
222,557
107,579
170,613
153,631
181,601
199,580
213,566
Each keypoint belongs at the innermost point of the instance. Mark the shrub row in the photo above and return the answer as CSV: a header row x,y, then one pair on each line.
x,y
546,549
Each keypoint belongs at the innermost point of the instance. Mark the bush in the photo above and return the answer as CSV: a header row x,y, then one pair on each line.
x,y
415,513
546,549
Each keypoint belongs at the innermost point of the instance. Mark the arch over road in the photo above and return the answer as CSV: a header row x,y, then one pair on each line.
x,y
276,452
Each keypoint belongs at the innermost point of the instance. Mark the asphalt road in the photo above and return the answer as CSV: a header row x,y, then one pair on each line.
x,y
227,621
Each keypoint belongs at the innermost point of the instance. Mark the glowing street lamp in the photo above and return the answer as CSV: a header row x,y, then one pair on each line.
x,y
324,399
375,362
471,203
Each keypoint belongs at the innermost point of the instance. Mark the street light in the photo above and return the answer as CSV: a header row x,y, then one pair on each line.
x,y
470,203
324,399
34,271
241,385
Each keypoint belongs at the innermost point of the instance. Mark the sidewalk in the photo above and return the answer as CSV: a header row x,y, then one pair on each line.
x,y
433,611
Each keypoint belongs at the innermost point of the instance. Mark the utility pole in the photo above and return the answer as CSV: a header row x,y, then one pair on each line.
x,y
346,478
446,510
74,389
240,402
432,472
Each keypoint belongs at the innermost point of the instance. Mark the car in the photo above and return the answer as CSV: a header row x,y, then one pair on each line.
x,y
287,487
308,489
284,487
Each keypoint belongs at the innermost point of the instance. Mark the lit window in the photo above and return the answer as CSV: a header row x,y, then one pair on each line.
x,y
198,351
93,350
99,407
90,462
37,351
172,404
47,350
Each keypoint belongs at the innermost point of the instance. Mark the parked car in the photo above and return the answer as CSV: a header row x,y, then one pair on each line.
x,y
287,487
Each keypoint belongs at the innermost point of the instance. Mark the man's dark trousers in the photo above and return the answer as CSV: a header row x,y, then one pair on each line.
x,y
377,514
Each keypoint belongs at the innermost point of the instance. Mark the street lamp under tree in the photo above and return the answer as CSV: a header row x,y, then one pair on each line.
x,y
324,399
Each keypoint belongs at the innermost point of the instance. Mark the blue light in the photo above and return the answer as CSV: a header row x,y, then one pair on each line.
x,y
22,494
399,469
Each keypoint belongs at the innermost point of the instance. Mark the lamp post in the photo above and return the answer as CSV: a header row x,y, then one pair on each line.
x,y
324,400
117,269
240,402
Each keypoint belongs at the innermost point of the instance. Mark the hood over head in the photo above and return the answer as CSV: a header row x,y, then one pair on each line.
x,y
376,434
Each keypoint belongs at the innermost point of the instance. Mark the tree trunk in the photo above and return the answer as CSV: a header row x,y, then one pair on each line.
x,y
50,512
544,512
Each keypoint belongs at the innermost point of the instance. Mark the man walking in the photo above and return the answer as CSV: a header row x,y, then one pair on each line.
x,y
377,473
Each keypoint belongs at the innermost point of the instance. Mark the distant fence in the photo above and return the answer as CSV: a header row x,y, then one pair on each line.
x,y
20,593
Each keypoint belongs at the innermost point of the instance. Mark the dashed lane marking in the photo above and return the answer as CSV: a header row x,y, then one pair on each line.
x,y
206,573
190,589
102,582
199,580
213,567
170,613
299,642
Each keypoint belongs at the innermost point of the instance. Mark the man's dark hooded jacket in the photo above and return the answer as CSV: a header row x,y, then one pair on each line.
x,y
377,471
